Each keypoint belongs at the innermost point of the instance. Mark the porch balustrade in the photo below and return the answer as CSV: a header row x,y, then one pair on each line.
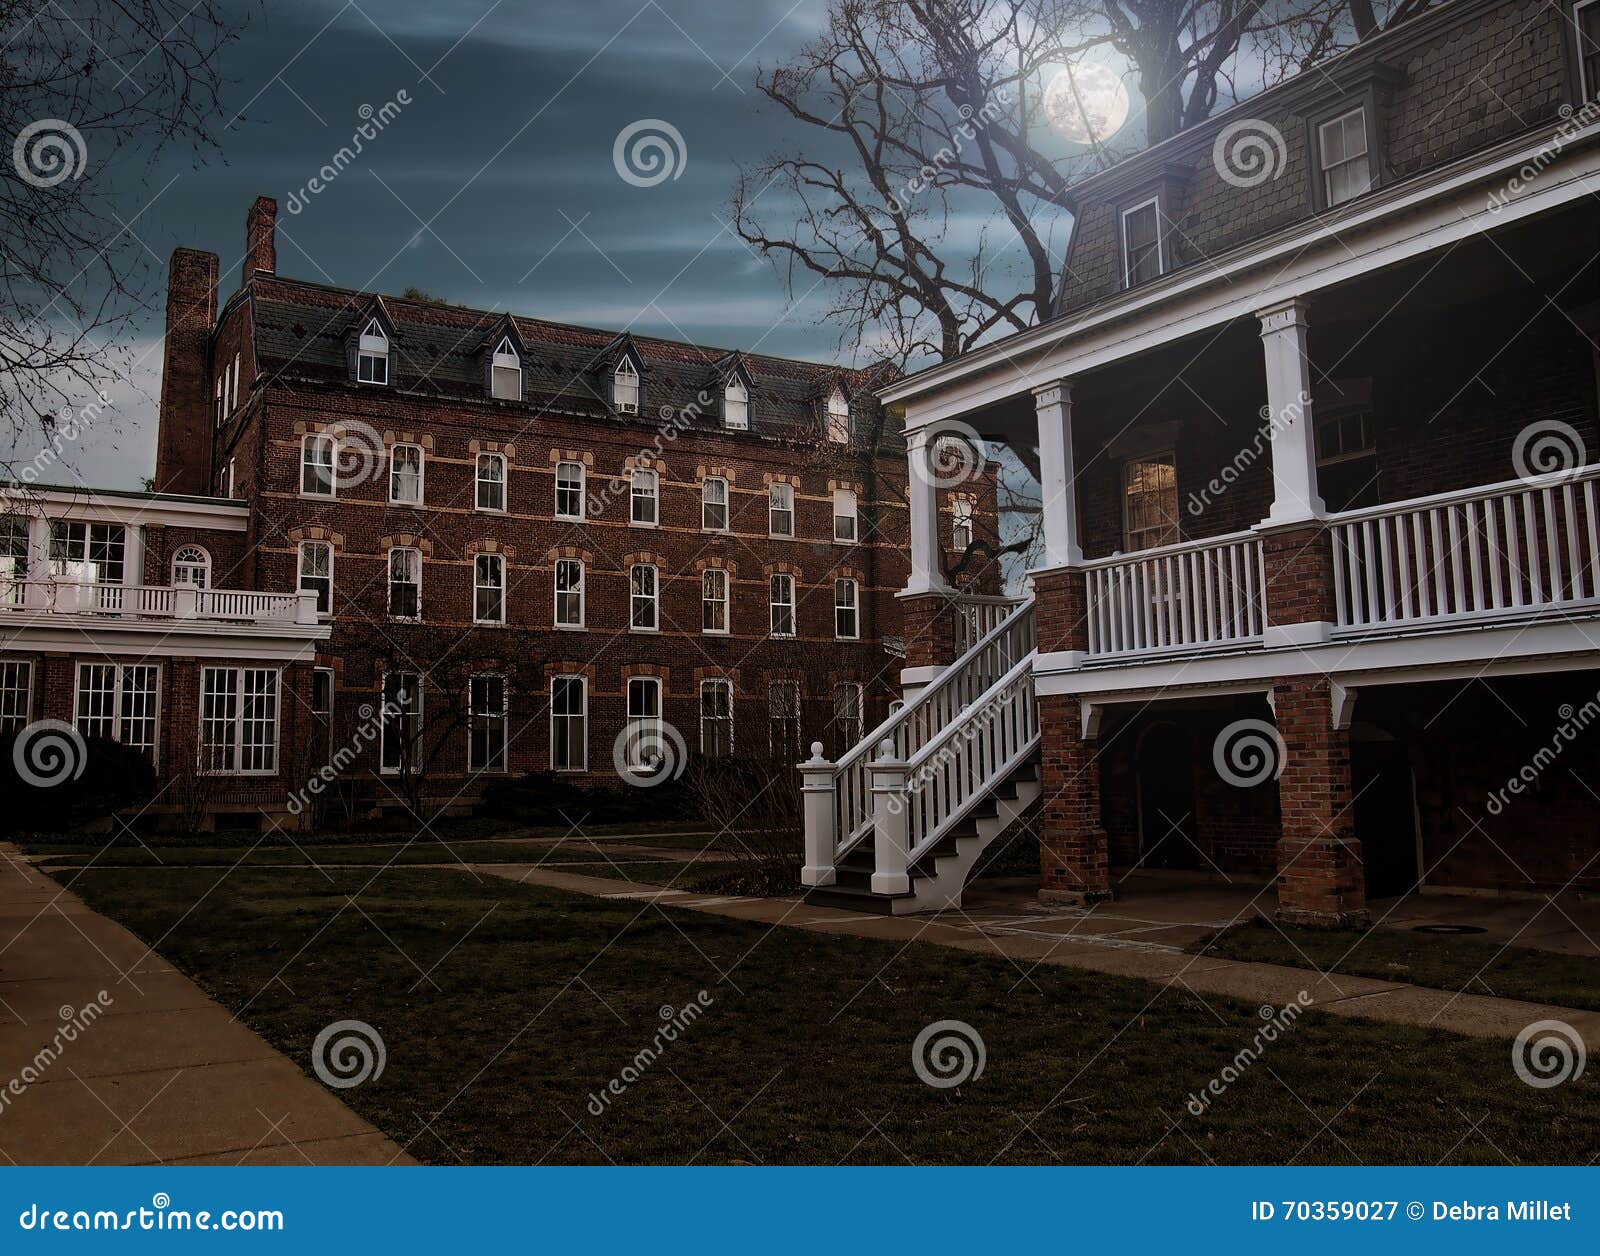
x,y
1192,596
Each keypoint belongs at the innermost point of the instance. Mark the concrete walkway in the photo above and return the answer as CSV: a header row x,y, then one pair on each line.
x,y
155,1072
1108,941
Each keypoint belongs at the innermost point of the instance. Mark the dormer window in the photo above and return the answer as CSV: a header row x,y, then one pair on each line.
x,y
735,405
625,387
505,372
1141,242
838,418
1586,19
372,355
1343,157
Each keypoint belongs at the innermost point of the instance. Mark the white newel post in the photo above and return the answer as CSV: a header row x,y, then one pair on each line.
x,y
306,607
1294,444
922,499
185,601
817,791
891,821
1057,476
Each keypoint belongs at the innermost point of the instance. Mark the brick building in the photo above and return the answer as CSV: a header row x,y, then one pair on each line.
x,y
1316,418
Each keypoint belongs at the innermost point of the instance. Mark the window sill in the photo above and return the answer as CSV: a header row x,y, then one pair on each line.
x,y
644,631
570,627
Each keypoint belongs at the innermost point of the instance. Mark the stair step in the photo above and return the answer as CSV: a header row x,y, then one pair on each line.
x,y
851,899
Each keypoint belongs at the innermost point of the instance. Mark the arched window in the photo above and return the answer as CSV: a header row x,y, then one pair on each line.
x,y
372,355
506,372
625,387
838,418
192,565
736,405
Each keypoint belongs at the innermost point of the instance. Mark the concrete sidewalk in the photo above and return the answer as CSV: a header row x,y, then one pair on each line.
x,y
155,1072
1103,941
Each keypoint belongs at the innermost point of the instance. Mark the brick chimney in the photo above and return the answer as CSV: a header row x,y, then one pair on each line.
x,y
261,238
183,441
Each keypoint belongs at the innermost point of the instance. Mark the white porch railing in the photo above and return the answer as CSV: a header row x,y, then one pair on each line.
x,y
1196,595
165,602
979,614
1504,551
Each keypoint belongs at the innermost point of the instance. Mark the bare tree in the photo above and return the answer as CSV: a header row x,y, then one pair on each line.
x,y
92,94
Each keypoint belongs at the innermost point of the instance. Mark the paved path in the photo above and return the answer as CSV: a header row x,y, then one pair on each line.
x,y
158,1072
1077,938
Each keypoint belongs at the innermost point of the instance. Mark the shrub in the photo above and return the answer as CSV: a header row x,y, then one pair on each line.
x,y
113,777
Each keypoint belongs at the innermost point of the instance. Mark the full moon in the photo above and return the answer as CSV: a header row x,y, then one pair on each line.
x,y
1095,111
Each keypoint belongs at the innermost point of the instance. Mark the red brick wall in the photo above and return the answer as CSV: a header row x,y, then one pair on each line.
x,y
184,438
1319,858
1074,862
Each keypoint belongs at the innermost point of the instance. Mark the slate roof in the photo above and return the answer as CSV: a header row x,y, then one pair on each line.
x,y
305,330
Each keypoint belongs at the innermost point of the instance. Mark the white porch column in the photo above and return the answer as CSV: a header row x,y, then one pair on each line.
x,y
132,559
922,499
38,560
1057,476
1294,445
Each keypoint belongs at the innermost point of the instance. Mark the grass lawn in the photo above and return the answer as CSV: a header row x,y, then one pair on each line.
x,y
1470,964
504,1007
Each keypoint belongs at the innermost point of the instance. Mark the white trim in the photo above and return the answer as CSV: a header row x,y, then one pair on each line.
x,y
502,587
581,590
726,602
57,633
422,463
332,466
91,506
583,744
237,721
653,480
727,504
583,488
787,492
1586,91
505,483
299,574
1122,226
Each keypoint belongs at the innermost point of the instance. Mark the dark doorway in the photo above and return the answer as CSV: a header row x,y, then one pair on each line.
x,y
1385,816
1165,766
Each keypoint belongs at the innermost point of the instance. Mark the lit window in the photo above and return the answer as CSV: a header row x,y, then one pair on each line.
x,y
645,744
486,707
625,387
569,723
846,610
714,600
781,602
961,524
838,418
87,553
783,720
716,717
848,717
489,589
644,599
316,466
405,475
1342,145
1149,502
569,490
491,481
644,494
316,572
780,510
1141,242
16,695
569,593
191,565
735,405
844,516
401,722
120,703
372,355
505,370
239,720
714,505
405,583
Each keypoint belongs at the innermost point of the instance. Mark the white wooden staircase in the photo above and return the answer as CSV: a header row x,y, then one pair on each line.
x,y
898,823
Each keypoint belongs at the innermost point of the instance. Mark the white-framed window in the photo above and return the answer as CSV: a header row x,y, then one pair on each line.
x,y
222,414
716,717
191,565
405,583
714,505
405,475
487,711
322,686
735,405
961,524
228,483
838,418
644,613
844,516
849,724
489,589
1586,20
1347,458
781,603
372,355
1343,158
783,720
505,372
569,490
239,720
120,701
569,608
714,600
625,387
1149,502
234,402
644,740
400,741
569,724
317,454
491,483
316,572
1142,258
87,553
644,496
780,510
16,694
13,557
846,610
